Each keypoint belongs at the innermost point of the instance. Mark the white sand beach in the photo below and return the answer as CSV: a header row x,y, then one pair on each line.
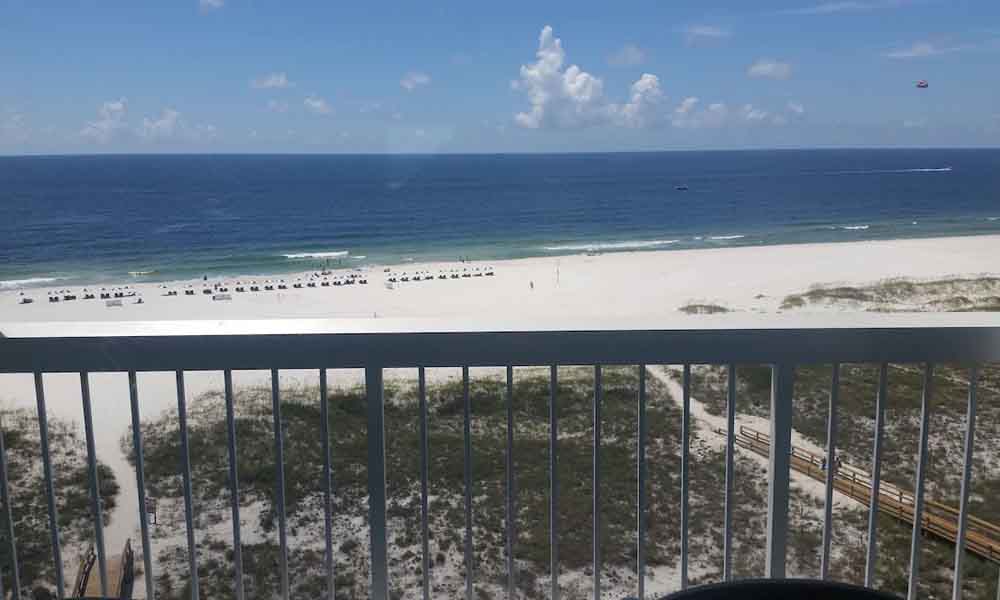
x,y
601,289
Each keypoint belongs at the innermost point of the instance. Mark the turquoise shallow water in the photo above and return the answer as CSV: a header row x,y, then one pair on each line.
x,y
98,218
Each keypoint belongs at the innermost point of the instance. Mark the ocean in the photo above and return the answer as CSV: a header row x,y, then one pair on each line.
x,y
97,219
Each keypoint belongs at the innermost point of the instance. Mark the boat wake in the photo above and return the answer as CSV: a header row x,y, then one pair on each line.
x,y
884,171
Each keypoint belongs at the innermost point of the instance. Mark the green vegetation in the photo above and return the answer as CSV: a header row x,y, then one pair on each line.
x,y
703,309
891,295
27,491
855,438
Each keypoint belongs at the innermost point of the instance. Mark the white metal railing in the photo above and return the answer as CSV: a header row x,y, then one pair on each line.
x,y
375,345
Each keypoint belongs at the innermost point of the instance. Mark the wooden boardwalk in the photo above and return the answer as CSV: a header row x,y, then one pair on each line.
x,y
120,575
941,520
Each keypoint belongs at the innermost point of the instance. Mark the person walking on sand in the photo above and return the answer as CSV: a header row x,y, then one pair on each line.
x,y
531,284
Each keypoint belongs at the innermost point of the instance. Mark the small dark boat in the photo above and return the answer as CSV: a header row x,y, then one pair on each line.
x,y
681,188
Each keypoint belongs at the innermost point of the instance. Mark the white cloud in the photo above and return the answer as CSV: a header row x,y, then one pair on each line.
x,y
924,49
752,114
272,81
796,107
211,4
569,97
628,55
13,127
278,106
699,34
688,116
830,8
765,68
170,126
643,105
165,127
112,121
414,79
317,105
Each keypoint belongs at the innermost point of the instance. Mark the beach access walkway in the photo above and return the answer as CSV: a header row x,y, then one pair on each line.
x,y
941,520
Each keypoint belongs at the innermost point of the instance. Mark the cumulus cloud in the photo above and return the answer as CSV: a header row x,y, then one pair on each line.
x,y
164,127
628,55
414,79
211,4
688,115
13,127
700,34
752,114
569,97
643,105
317,105
110,123
271,81
766,68
170,126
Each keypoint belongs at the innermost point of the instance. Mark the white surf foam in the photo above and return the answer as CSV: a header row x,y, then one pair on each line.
x,y
13,284
314,255
598,246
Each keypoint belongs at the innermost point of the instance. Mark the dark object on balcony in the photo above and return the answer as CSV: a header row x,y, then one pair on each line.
x,y
780,589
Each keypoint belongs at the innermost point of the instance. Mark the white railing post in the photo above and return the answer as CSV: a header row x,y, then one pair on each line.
x,y
782,382
376,484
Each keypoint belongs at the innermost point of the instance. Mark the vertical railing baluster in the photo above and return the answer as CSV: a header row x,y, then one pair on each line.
x,y
596,479
918,500
234,484
279,463
50,494
831,466
324,412
424,468
186,472
140,484
510,483
876,482
7,506
467,476
553,484
640,551
963,514
376,483
685,474
727,525
782,389
95,482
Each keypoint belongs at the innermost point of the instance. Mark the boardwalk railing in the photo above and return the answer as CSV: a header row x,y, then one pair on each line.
x,y
375,345
981,536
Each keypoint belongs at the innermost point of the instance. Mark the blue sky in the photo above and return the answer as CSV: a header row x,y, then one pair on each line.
x,y
266,76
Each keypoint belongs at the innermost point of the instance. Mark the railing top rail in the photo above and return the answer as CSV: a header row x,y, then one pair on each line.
x,y
347,343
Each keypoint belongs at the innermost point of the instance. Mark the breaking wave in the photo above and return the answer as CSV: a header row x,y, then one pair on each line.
x,y
315,255
597,246
13,284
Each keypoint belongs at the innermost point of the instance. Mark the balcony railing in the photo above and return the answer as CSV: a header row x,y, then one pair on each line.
x,y
375,345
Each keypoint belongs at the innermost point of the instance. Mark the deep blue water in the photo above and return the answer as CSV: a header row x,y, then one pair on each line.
x,y
96,218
